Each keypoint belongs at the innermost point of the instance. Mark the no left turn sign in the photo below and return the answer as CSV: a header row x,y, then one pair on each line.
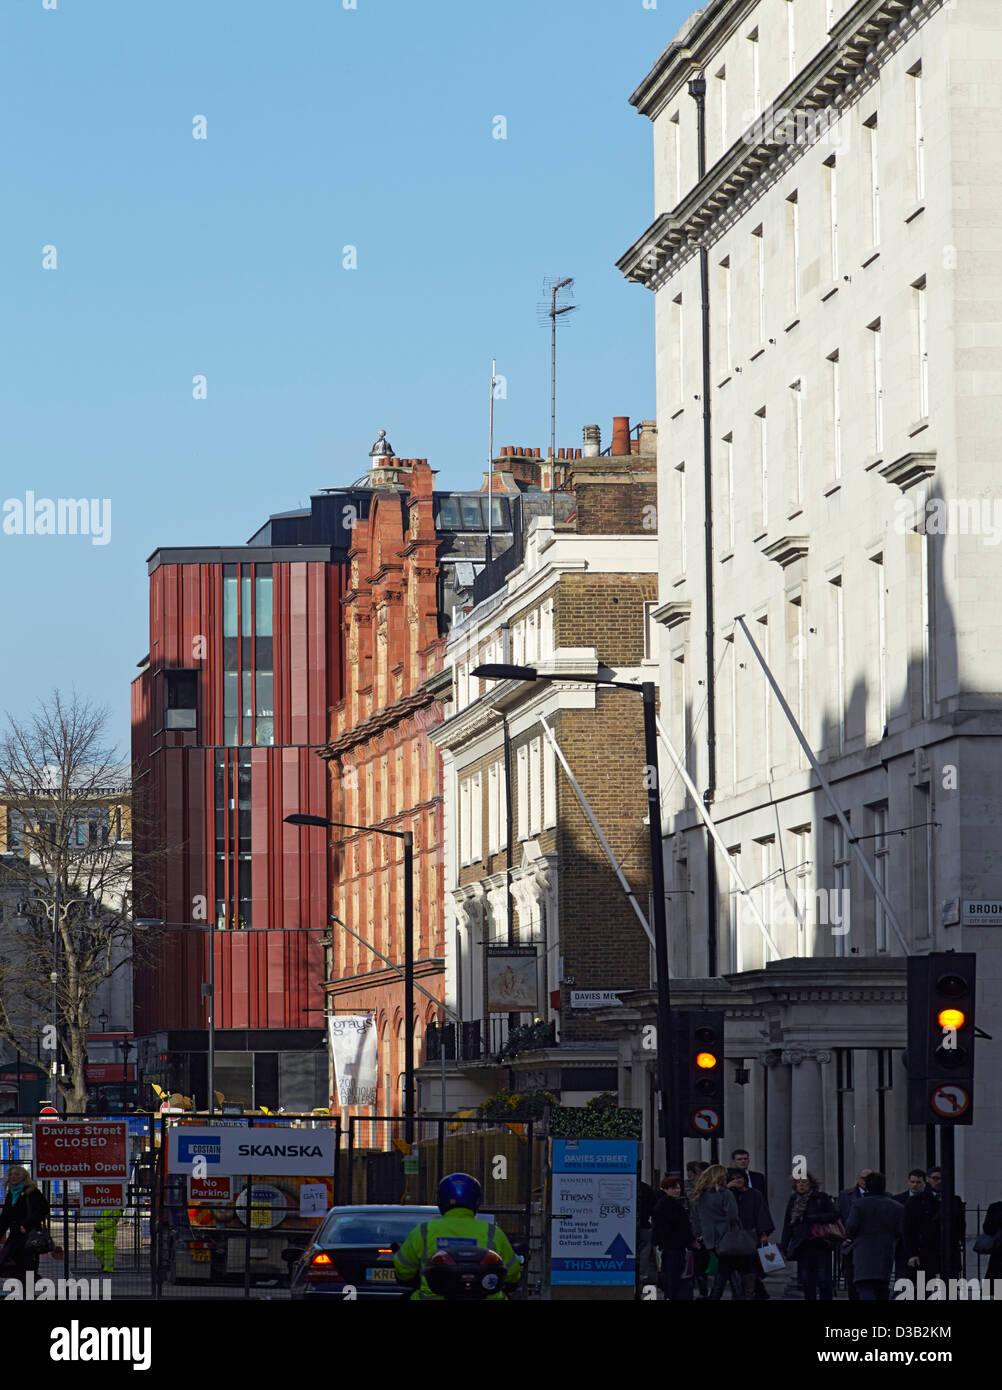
x,y
949,1101
706,1119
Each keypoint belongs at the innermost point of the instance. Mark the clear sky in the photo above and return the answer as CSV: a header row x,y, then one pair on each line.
x,y
222,257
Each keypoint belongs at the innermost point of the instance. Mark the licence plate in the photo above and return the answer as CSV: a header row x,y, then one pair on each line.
x,y
381,1276
200,1254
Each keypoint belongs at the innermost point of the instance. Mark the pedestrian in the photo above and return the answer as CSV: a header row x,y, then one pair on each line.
x,y
992,1226
755,1217
934,1187
25,1209
701,1256
808,1210
675,1240
718,1218
104,1237
741,1158
918,1248
875,1228
647,1199
843,1205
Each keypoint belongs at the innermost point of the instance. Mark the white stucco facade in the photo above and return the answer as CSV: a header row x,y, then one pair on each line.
x,y
855,412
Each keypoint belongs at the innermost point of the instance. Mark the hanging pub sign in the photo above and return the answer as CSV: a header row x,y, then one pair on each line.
x,y
512,983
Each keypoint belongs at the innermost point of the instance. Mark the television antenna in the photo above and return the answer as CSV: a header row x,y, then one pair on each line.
x,y
553,285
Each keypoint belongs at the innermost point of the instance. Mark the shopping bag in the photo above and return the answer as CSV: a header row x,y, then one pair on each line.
x,y
770,1259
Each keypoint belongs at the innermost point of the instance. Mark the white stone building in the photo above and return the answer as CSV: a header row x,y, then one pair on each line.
x,y
849,220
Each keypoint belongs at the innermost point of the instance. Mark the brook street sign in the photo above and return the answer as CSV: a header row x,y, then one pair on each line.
x,y
90,1149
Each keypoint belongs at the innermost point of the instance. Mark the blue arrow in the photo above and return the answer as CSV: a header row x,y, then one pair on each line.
x,y
619,1249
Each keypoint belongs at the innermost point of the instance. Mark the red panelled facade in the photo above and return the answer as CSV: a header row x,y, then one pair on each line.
x,y
245,661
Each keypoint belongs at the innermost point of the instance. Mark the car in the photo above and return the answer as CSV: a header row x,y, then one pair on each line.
x,y
351,1254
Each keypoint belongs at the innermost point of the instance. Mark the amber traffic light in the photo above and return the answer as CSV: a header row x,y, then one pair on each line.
x,y
699,1062
940,1054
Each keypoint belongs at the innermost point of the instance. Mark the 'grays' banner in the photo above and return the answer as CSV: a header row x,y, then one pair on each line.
x,y
356,1066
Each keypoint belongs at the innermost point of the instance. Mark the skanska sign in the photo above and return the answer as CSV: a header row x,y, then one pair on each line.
x,y
265,1152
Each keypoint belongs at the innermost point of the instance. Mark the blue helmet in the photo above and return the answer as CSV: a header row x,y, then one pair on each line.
x,y
459,1190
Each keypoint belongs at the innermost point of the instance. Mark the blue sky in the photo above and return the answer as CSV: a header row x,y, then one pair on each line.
x,y
176,257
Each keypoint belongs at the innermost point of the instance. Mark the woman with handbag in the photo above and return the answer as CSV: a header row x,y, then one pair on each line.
x,y
811,1230
720,1226
23,1222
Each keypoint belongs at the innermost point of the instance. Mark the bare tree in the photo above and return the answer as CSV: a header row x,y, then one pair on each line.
x,y
72,873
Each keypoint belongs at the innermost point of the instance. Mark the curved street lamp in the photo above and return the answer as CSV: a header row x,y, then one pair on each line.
x,y
407,836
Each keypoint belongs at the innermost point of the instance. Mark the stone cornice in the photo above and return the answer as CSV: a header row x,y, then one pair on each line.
x,y
672,614
762,152
372,979
787,550
383,719
911,468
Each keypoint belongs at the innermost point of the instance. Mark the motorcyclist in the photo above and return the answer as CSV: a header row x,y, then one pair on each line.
x,y
457,1230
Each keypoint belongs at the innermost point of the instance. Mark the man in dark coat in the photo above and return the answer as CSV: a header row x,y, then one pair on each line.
x,y
741,1158
844,1203
875,1228
992,1226
934,1188
916,1248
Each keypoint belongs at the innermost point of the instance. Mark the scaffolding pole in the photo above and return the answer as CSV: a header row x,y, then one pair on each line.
x,y
597,829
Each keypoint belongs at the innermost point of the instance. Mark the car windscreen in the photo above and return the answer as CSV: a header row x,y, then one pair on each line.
x,y
378,1227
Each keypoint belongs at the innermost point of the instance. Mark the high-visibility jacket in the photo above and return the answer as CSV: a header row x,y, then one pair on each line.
x,y
106,1227
458,1227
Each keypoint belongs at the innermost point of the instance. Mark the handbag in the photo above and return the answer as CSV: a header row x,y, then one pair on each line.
x,y
770,1259
38,1242
986,1245
736,1243
828,1230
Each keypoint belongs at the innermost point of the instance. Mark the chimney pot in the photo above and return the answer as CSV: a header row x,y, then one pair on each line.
x,y
592,441
620,434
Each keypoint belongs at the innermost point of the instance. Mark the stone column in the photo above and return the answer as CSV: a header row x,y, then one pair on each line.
x,y
807,1131
778,1158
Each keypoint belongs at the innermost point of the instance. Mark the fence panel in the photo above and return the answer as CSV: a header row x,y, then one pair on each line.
x,y
102,1251
222,1233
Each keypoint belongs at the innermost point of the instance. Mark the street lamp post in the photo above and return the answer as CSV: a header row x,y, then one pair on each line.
x,y
407,836
668,1118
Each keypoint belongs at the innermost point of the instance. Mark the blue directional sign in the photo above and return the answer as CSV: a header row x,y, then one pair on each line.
x,y
594,1229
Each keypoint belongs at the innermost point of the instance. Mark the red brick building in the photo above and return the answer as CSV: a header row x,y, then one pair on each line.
x,y
414,561
382,771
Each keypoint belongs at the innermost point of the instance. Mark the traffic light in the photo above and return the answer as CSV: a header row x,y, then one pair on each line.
x,y
699,1070
940,1056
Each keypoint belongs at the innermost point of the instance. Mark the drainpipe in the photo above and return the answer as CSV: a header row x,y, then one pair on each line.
x,y
697,90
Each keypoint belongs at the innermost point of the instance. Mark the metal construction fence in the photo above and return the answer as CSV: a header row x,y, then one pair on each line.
x,y
101,1251
174,1228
